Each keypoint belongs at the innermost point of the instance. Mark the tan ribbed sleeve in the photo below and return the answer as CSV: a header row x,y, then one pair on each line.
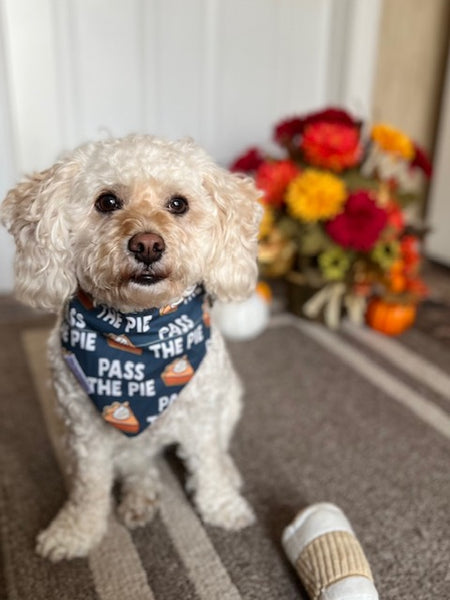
x,y
330,558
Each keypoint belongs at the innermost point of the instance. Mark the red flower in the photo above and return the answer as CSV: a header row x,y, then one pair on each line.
x,y
273,178
417,287
331,115
420,161
396,219
249,161
286,131
331,145
361,223
409,247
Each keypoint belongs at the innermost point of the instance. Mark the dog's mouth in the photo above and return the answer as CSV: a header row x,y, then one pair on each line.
x,y
147,278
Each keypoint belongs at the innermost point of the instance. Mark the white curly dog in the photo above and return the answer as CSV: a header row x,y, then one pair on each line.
x,y
137,223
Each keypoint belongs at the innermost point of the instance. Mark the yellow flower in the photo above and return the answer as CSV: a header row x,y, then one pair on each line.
x,y
393,141
315,195
267,222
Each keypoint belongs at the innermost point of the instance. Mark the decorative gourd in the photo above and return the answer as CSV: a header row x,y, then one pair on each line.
x,y
390,318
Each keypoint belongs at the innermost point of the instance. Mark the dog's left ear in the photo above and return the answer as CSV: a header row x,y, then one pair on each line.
x,y
231,271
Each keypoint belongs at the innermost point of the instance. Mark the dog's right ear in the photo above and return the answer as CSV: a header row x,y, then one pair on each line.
x,y
35,213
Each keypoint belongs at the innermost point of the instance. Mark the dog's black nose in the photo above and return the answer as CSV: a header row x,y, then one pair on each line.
x,y
147,247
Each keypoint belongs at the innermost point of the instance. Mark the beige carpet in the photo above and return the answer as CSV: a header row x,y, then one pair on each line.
x,y
350,418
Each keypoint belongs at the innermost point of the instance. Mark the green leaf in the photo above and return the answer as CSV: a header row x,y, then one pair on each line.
x,y
313,239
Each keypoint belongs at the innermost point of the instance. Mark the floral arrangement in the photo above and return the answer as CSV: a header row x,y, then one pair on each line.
x,y
338,215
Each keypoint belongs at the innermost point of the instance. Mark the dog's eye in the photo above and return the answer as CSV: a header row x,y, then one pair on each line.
x,y
108,202
178,205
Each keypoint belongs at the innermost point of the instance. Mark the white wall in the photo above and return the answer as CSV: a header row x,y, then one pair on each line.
x,y
221,71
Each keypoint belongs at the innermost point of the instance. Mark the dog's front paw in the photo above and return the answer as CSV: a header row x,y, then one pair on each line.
x,y
137,508
67,537
231,512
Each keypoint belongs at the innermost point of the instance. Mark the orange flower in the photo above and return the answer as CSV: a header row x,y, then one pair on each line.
x,y
331,145
273,179
393,140
403,273
396,278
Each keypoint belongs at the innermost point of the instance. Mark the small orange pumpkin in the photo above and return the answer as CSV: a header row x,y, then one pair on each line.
x,y
390,318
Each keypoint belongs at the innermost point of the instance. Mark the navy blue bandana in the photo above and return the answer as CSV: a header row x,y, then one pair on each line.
x,y
134,365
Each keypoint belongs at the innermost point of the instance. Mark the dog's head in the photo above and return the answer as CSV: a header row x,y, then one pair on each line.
x,y
135,222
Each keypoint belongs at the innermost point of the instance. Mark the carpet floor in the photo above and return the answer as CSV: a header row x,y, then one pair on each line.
x,y
351,418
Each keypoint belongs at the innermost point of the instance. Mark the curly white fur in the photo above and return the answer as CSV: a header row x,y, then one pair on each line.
x,y
63,242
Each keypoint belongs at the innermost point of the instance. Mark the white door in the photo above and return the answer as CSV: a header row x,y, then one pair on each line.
x,y
221,71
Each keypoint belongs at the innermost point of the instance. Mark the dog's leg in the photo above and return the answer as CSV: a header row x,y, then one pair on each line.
x,y
215,493
230,412
212,406
82,521
140,491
